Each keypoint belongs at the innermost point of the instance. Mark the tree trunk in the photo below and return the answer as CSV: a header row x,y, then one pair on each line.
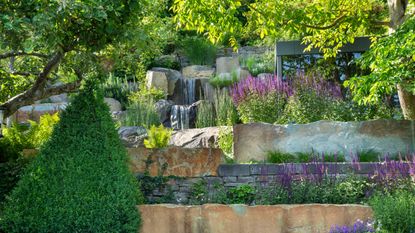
x,y
407,101
397,16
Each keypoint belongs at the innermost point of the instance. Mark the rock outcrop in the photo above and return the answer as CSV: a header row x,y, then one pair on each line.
x,y
177,161
132,136
196,138
197,71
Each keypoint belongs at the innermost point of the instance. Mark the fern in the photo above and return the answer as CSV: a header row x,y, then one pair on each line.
x,y
158,137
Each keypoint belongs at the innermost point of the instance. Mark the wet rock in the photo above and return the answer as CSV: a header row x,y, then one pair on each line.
x,y
132,136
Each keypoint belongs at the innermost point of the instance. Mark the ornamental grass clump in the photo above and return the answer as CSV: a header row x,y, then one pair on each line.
x,y
80,181
261,99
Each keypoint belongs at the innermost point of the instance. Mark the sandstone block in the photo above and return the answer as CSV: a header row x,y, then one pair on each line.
x,y
157,79
197,71
226,64
184,162
213,218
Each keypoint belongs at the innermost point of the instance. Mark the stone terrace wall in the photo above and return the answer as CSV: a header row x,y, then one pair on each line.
x,y
266,175
249,219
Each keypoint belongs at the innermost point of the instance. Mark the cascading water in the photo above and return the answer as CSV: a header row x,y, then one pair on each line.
x,y
189,90
180,114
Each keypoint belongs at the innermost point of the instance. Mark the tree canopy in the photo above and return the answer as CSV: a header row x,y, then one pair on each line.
x,y
325,24
45,42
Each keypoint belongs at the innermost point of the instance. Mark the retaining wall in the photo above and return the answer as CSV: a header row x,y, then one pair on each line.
x,y
268,175
212,218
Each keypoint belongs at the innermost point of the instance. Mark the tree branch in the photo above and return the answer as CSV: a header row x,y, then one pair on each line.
x,y
36,92
333,24
15,54
22,73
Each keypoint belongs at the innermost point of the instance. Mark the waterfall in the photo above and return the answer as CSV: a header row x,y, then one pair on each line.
x,y
180,116
189,90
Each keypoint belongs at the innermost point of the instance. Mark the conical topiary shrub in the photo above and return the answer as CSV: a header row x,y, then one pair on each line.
x,y
80,181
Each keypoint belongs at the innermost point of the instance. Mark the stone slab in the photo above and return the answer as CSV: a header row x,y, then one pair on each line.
x,y
252,141
213,218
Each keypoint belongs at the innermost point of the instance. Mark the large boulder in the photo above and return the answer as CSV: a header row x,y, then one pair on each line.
x,y
61,98
196,138
172,77
226,64
253,141
115,105
157,79
197,71
177,161
35,111
132,136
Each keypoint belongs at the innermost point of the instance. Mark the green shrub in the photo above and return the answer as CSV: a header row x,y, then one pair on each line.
x,y
80,181
141,113
272,195
259,63
198,50
146,94
225,142
205,116
166,62
262,108
243,194
198,193
10,173
221,82
118,88
158,137
305,107
394,212
19,137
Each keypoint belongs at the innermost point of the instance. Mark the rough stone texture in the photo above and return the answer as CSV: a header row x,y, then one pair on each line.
x,y
226,64
196,138
33,112
132,136
157,79
212,218
163,108
197,71
184,162
243,74
115,105
252,141
62,98
172,77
